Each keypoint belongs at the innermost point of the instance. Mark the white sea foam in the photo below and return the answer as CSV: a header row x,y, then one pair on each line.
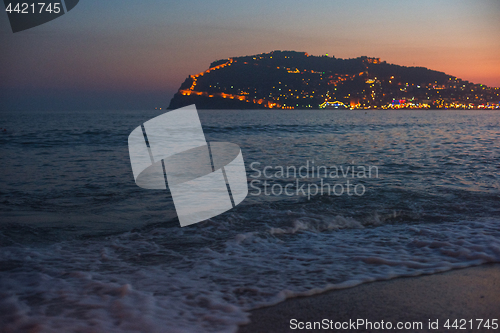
x,y
140,281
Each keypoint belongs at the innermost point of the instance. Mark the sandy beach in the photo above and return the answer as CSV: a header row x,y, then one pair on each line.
x,y
471,293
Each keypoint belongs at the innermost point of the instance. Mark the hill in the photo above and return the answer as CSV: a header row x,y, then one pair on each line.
x,y
289,79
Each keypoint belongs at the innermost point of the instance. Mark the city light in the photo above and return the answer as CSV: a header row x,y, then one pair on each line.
x,y
311,88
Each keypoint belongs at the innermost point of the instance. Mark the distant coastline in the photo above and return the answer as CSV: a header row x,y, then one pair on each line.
x,y
296,80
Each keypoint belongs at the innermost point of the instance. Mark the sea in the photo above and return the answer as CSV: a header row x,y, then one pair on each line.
x,y
336,198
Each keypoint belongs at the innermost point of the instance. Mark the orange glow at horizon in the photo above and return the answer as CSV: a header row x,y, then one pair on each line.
x,y
154,50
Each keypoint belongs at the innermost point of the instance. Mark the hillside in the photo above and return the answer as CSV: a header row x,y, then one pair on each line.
x,y
289,79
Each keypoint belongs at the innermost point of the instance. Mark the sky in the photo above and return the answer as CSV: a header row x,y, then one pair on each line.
x,y
130,54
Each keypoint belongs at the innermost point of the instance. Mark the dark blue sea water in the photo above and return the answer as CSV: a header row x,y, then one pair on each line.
x,y
82,248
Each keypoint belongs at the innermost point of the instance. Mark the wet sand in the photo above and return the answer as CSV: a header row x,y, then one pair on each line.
x,y
470,293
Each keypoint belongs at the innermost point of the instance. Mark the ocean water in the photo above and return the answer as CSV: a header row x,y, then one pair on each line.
x,y
83,249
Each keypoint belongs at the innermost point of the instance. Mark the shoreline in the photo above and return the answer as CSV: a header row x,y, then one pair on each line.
x,y
467,293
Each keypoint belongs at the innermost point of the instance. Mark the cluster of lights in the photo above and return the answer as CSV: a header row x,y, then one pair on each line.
x,y
333,104
192,91
335,80
406,105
